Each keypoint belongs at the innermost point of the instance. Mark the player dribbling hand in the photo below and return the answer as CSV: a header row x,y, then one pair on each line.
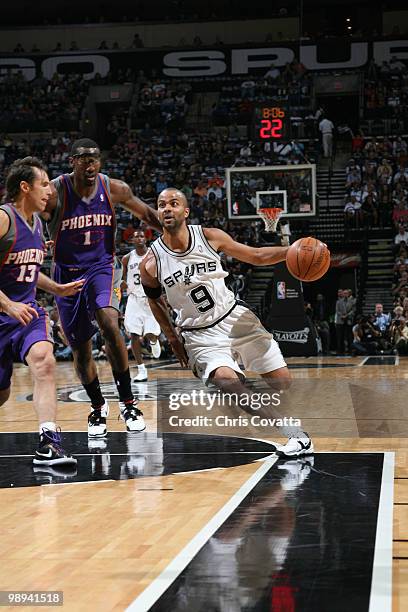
x,y
179,350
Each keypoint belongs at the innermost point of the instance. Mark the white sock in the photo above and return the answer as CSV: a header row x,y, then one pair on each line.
x,y
141,367
50,425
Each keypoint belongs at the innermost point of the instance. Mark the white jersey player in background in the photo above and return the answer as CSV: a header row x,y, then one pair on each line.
x,y
139,319
217,331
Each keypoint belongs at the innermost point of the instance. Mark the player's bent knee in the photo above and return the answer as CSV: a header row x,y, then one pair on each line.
x,y
40,351
4,395
107,317
82,354
47,367
44,368
41,360
281,378
110,329
223,373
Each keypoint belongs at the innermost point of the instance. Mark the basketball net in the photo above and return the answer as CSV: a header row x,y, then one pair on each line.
x,y
270,217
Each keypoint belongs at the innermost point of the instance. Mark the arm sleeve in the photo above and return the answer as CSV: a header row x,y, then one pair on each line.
x,y
152,292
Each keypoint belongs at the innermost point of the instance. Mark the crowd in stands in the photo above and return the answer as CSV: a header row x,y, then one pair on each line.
x,y
289,87
52,147
41,103
349,332
161,103
399,316
377,196
51,103
380,332
377,183
386,91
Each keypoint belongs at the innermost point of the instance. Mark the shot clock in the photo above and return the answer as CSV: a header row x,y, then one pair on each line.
x,y
269,123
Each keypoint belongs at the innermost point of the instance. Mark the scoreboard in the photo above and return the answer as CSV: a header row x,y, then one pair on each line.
x,y
270,123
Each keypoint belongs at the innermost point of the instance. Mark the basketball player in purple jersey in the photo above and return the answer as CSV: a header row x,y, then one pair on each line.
x,y
82,225
24,326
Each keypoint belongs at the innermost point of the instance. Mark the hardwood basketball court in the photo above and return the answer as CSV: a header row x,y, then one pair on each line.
x,y
105,534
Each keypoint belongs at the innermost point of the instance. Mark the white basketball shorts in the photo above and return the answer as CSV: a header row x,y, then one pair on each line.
x,y
139,318
239,338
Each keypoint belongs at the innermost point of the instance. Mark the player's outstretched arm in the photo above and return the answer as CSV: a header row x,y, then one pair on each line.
x,y
152,289
122,194
257,256
47,284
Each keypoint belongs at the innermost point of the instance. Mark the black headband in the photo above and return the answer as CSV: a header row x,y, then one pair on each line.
x,y
86,151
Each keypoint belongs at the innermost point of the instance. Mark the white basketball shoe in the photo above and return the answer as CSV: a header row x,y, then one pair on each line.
x,y
295,447
97,421
133,417
141,375
156,349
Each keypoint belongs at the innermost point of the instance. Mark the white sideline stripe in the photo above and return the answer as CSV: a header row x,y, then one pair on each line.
x,y
196,471
148,454
161,453
7,456
381,582
151,594
36,431
60,484
363,361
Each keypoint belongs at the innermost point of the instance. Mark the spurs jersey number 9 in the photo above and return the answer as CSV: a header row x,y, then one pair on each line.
x,y
194,281
133,275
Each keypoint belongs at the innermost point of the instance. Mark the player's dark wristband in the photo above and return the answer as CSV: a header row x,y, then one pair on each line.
x,y
152,292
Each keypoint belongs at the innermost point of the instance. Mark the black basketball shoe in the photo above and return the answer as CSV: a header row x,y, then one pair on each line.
x,y
50,451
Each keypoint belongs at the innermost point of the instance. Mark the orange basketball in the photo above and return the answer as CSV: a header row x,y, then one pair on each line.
x,y
308,259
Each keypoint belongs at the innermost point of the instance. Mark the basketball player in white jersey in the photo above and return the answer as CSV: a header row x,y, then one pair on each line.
x,y
216,330
139,319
